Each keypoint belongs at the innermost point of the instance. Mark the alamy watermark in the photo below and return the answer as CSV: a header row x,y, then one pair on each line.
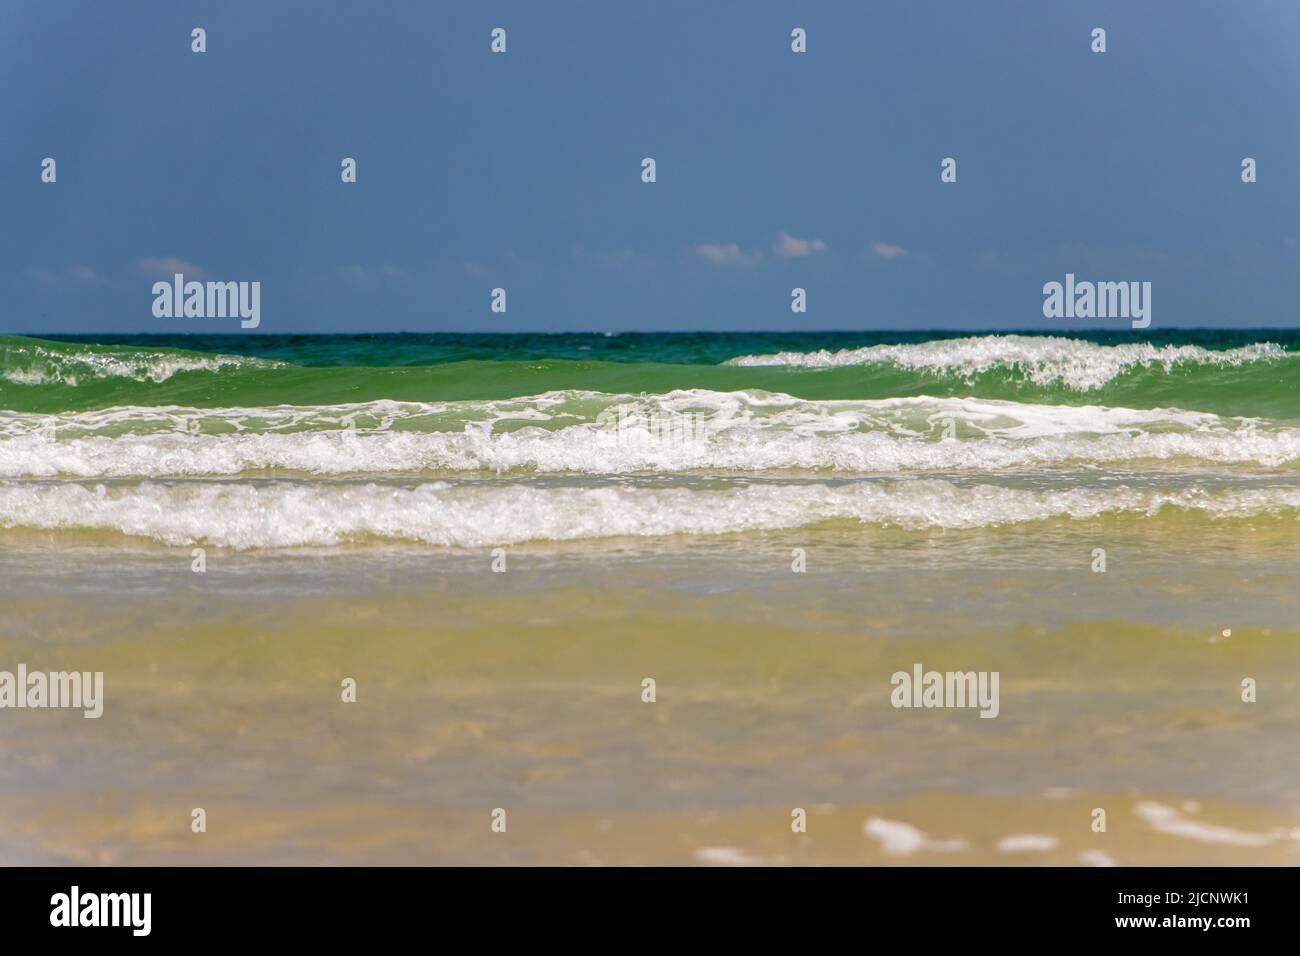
x,y
946,689
634,428
208,300
75,908
41,689
1098,300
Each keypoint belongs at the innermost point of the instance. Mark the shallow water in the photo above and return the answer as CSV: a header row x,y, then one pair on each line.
x,y
522,690
943,504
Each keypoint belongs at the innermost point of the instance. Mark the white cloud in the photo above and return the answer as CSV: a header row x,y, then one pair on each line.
x,y
353,273
788,247
165,267
887,250
75,274
392,272
727,255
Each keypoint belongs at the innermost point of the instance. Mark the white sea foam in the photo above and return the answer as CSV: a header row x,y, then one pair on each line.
x,y
1166,819
1045,360
1028,843
728,856
498,512
34,364
1097,858
565,432
902,839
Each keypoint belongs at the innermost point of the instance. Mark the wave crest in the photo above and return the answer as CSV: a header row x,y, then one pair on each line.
x,y
596,433
33,362
478,514
1043,361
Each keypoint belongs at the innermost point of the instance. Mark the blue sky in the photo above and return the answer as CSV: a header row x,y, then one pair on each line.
x,y
522,170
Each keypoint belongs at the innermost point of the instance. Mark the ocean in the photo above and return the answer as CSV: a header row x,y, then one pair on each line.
x,y
500,538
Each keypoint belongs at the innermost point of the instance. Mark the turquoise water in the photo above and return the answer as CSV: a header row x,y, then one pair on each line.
x,y
669,348
472,441
649,494
1227,372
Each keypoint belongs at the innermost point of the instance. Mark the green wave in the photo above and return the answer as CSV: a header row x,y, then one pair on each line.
x,y
47,376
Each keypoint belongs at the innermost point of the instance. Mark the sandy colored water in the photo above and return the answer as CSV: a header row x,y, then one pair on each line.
x,y
522,691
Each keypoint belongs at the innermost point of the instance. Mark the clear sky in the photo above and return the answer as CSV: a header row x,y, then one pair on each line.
x,y
523,170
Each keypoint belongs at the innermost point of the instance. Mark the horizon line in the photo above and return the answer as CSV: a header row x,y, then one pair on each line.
x,y
613,334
